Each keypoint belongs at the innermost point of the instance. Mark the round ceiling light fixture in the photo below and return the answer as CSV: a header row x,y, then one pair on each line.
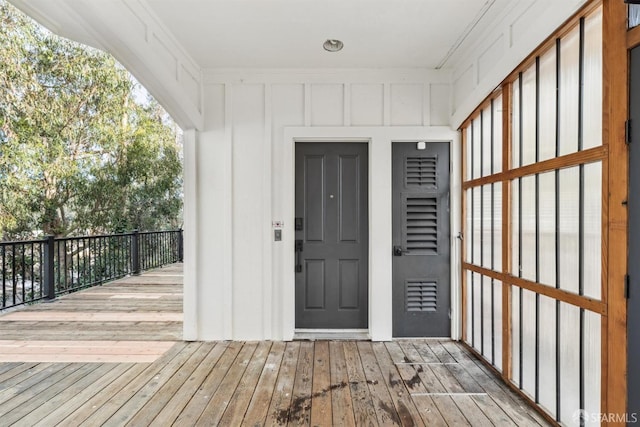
x,y
333,45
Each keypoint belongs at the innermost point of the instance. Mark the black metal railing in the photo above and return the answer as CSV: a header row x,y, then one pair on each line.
x,y
41,269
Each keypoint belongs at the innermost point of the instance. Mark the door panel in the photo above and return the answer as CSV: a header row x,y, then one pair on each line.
x,y
314,198
633,308
332,265
421,262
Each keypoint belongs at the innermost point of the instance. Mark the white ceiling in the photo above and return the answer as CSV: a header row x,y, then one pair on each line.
x,y
290,33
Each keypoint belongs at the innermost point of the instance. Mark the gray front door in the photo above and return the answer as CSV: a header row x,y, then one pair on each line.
x,y
633,307
421,271
332,235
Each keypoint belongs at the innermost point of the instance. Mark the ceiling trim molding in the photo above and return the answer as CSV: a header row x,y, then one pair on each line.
x,y
326,75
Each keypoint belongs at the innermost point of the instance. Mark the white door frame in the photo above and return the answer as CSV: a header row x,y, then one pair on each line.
x,y
379,140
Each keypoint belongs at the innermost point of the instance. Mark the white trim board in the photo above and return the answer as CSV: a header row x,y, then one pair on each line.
x,y
380,220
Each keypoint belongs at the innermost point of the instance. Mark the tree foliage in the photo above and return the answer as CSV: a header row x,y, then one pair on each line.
x,y
78,152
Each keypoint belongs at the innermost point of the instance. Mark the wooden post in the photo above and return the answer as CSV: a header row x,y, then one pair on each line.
x,y
615,188
49,268
507,122
463,220
135,253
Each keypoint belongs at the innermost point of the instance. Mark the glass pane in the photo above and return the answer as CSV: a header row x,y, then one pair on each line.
x,y
548,354
497,227
497,324
487,157
469,227
487,318
497,134
477,312
569,363
634,15
592,104
469,311
547,230
515,161
469,151
515,334
528,257
487,234
592,251
477,225
592,362
569,218
475,124
515,228
529,343
569,91
529,116
547,129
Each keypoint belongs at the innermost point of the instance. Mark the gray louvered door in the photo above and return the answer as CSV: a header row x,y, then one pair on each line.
x,y
421,235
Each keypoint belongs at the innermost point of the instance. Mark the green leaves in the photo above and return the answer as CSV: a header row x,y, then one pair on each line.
x,y
77,153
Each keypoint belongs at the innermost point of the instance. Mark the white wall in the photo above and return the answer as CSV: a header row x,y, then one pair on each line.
x,y
482,65
244,181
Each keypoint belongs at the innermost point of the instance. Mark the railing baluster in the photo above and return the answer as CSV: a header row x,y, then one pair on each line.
x,y
84,258
24,296
113,257
32,278
4,277
41,269
13,273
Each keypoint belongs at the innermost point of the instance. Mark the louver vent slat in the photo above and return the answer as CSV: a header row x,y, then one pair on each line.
x,y
421,231
421,171
422,296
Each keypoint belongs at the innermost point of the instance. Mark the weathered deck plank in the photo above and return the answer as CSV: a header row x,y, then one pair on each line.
x,y
222,397
264,390
300,410
363,407
280,406
241,398
214,377
346,383
174,407
341,400
321,413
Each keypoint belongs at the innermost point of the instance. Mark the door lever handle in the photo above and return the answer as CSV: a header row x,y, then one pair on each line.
x,y
298,248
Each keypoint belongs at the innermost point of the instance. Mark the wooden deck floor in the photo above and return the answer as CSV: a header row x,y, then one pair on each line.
x,y
343,383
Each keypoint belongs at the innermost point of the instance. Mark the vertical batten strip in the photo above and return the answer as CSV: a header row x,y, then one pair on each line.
x,y
267,189
227,286
387,104
307,104
346,88
426,105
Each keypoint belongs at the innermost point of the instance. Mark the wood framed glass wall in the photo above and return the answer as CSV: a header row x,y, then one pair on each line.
x,y
538,221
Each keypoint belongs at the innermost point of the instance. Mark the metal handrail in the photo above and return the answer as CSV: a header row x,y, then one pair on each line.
x,y
34,270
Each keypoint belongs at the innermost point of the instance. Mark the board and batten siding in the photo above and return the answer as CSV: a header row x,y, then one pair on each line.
x,y
237,192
